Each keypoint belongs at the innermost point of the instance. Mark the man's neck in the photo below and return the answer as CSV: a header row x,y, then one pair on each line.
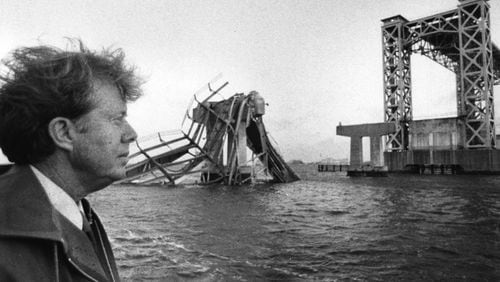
x,y
77,183
58,169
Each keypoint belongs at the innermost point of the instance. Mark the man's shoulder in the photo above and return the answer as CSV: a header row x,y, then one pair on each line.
x,y
17,185
25,210
5,167
10,173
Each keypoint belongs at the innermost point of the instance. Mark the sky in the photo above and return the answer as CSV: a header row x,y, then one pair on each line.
x,y
315,62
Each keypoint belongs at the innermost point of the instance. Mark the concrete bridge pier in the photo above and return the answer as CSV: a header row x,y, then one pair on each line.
x,y
356,132
376,151
356,157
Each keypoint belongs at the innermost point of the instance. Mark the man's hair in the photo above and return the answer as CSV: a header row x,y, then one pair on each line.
x,y
44,82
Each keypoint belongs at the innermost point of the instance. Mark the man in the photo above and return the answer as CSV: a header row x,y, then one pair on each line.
x,y
63,123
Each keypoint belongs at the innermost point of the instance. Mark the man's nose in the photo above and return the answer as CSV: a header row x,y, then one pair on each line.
x,y
129,134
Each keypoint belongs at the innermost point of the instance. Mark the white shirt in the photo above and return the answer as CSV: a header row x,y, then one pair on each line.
x,y
61,201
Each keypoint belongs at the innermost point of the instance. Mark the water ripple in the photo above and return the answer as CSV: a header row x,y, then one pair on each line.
x,y
380,229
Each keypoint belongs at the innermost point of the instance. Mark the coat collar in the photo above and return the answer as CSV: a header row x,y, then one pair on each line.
x,y
26,212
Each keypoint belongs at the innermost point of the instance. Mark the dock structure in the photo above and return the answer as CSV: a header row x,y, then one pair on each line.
x,y
212,145
332,167
460,41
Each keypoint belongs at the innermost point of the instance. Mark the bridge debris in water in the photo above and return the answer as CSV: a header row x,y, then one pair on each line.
x,y
211,146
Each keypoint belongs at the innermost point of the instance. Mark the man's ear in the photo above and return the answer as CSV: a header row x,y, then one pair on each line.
x,y
62,131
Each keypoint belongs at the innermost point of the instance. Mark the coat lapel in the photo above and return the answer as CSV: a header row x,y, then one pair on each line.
x,y
80,250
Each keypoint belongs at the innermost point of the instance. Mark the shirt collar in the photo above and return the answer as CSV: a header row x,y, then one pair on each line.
x,y
61,201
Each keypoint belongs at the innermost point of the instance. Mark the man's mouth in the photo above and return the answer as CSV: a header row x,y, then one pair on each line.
x,y
124,155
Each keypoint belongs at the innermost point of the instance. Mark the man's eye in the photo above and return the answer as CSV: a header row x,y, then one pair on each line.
x,y
118,119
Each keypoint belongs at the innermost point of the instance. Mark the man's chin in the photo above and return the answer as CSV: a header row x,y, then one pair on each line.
x,y
119,175
114,176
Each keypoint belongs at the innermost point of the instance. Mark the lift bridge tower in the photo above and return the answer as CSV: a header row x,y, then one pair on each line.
x,y
459,40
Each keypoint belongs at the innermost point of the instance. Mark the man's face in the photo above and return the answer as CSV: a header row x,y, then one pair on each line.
x,y
101,147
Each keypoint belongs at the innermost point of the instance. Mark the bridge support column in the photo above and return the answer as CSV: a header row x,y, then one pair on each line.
x,y
397,80
476,75
376,151
356,152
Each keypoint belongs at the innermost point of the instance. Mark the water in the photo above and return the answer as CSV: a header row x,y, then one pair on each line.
x,y
397,228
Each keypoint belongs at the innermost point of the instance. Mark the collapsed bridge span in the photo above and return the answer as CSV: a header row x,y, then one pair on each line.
x,y
212,145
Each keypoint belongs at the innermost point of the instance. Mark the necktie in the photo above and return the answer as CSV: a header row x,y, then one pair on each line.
x,y
87,228
91,229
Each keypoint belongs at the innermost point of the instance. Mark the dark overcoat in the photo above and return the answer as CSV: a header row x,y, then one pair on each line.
x,y
37,243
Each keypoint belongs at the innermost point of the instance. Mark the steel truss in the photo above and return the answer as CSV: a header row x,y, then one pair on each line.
x,y
397,81
476,72
458,40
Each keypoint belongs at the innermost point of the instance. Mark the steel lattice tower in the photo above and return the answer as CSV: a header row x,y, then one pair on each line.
x,y
397,80
458,40
476,73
